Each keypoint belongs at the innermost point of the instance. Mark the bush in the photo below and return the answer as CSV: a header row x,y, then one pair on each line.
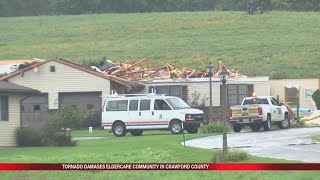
x,y
27,137
316,98
56,131
233,155
300,124
216,127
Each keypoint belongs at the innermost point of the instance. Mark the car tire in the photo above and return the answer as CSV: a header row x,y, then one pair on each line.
x,y
237,127
284,124
192,130
119,129
267,124
136,132
176,127
255,127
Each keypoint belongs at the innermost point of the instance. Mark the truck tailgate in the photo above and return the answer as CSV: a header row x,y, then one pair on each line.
x,y
244,112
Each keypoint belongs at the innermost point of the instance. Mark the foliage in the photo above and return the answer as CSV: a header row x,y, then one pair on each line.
x,y
300,124
28,137
57,129
316,98
183,38
233,155
215,127
196,102
58,7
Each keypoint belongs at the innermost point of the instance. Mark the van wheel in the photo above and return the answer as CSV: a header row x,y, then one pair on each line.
x,y
267,124
136,132
119,129
176,127
192,130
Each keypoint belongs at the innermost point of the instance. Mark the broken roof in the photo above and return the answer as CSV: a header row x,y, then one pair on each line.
x,y
10,87
128,84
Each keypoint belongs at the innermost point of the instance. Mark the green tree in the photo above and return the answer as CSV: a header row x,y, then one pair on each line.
x,y
316,98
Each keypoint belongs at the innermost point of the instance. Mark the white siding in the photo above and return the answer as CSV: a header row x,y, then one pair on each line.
x,y
64,79
261,88
8,128
278,88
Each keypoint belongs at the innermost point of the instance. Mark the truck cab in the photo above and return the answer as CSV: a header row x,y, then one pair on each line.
x,y
257,112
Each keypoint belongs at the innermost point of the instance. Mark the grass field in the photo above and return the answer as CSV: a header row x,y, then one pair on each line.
x,y
152,146
316,138
278,44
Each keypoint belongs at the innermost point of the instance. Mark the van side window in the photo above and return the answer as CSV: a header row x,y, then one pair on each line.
x,y
117,105
133,106
160,104
145,105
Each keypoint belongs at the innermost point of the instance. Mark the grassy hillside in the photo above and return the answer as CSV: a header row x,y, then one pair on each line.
x,y
279,44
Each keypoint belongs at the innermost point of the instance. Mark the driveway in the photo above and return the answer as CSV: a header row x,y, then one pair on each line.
x,y
290,144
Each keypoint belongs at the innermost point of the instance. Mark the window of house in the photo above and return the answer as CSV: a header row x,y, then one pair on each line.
x,y
52,69
120,105
4,109
145,105
236,93
291,95
177,91
133,106
36,107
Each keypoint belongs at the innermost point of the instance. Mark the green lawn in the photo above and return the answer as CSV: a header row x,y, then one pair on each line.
x,y
316,138
279,44
152,146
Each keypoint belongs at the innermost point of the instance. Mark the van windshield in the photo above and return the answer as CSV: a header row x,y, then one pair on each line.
x,y
177,103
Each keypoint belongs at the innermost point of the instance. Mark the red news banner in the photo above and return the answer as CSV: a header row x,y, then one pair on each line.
x,y
154,166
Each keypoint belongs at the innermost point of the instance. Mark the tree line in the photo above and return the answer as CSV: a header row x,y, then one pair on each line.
x,y
60,7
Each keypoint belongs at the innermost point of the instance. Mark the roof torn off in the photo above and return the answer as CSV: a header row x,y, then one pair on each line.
x,y
7,67
148,70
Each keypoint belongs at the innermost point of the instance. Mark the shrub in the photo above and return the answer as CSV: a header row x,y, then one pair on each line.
x,y
300,124
56,129
215,127
233,155
27,137
316,98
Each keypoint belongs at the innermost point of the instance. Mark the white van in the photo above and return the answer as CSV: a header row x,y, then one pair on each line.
x,y
135,113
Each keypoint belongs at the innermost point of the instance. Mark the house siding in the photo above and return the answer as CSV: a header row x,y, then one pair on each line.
x,y
261,88
278,88
8,128
64,79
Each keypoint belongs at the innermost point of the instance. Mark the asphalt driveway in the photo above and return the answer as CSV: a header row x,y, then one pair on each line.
x,y
290,144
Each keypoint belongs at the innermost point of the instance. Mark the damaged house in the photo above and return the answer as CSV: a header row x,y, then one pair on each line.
x,y
62,82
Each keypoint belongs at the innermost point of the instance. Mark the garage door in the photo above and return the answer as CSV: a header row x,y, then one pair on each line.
x,y
34,111
85,102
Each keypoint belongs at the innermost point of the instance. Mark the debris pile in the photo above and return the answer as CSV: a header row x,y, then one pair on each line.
x,y
7,67
146,70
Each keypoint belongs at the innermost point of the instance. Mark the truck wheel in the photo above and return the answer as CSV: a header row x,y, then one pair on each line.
x,y
175,127
136,132
267,124
119,129
192,130
284,124
237,127
255,127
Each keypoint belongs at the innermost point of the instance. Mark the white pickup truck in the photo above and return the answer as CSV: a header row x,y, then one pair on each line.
x,y
259,112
